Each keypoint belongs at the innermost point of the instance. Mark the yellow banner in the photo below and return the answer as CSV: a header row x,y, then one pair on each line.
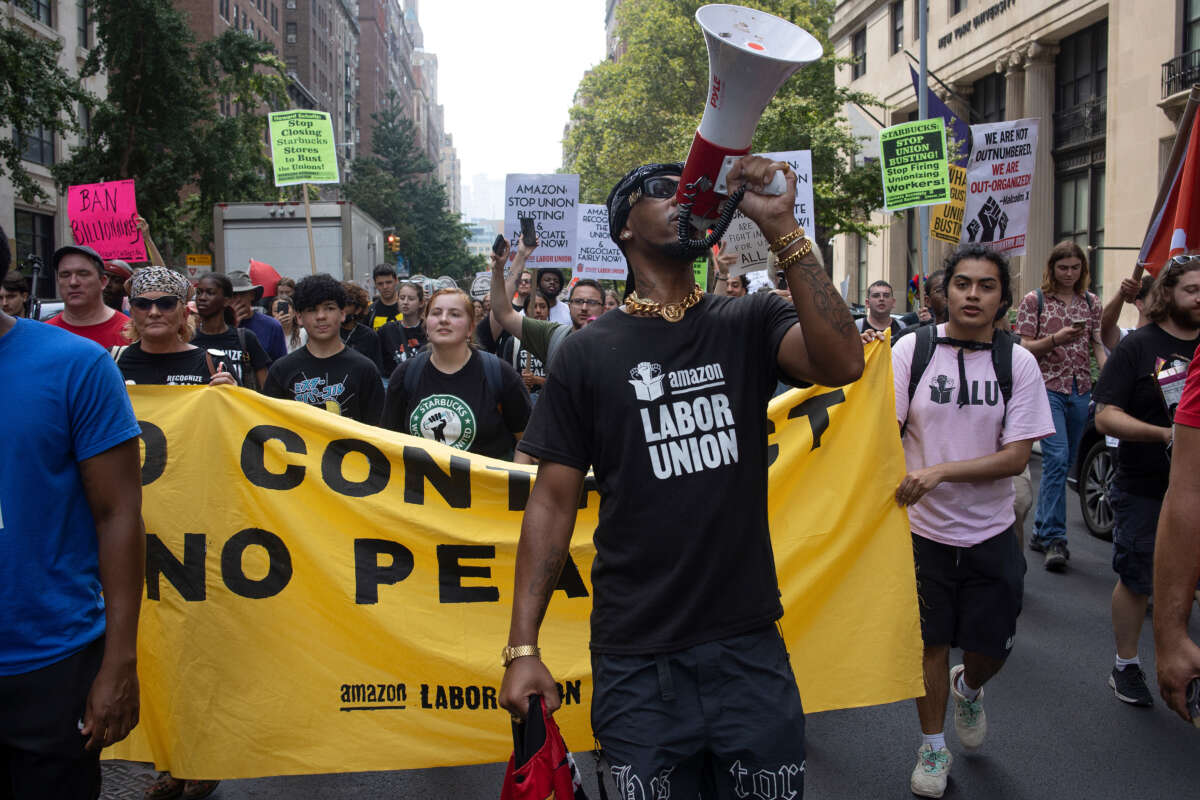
x,y
323,596
946,220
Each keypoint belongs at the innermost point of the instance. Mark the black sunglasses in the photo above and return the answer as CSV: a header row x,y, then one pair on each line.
x,y
166,304
659,187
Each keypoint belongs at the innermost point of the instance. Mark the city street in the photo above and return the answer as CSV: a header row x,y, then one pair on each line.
x,y
1055,728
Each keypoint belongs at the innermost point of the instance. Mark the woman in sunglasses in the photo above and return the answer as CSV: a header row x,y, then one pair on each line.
x,y
161,332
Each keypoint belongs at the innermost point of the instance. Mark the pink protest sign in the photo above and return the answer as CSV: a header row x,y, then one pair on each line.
x,y
102,218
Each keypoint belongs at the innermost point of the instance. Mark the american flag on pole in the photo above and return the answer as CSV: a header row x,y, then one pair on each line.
x,y
1175,223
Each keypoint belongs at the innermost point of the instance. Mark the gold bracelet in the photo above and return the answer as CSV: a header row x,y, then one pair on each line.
x,y
781,244
795,257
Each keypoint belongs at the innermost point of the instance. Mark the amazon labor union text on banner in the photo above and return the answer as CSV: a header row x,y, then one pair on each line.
x,y
999,184
746,241
913,158
552,201
302,147
326,596
597,256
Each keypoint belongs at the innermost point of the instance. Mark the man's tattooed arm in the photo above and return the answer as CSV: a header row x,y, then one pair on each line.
x,y
541,587
825,347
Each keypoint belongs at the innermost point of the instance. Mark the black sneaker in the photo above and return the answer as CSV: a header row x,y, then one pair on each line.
x,y
1057,556
1036,546
1129,685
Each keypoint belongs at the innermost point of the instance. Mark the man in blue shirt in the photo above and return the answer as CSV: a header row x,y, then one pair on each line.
x,y
72,557
268,330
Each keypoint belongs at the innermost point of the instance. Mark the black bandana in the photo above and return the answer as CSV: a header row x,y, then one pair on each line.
x,y
618,198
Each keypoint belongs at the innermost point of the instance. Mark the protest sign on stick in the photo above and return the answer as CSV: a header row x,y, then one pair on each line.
x,y
597,256
945,221
103,218
303,151
744,239
999,183
552,202
914,163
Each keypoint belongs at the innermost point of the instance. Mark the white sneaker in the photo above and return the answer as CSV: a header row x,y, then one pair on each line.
x,y
970,721
932,771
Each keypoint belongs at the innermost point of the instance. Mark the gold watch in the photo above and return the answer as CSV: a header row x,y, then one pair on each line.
x,y
510,654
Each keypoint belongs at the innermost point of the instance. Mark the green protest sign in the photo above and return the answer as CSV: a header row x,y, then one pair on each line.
x,y
700,270
302,147
915,167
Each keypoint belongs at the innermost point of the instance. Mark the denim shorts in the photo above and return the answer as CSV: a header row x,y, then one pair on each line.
x,y
1136,523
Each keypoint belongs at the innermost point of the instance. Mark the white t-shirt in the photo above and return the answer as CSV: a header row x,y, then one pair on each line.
x,y
965,514
560,312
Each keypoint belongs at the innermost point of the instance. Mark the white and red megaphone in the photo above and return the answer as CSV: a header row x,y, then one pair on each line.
x,y
750,54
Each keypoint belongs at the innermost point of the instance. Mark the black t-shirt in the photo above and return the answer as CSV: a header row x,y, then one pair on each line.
x,y
460,409
235,358
673,420
365,341
1128,382
346,383
513,352
399,344
380,314
185,368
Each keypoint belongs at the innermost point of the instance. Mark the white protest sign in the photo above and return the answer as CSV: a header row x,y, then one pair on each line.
x,y
743,238
999,183
760,279
597,256
552,201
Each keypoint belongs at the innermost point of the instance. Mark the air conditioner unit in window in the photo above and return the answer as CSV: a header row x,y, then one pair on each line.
x,y
291,38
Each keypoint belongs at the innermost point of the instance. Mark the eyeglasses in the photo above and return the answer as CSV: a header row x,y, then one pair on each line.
x,y
660,187
580,302
166,304
1182,260
524,280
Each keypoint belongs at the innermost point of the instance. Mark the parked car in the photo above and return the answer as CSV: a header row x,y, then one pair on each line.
x,y
1091,476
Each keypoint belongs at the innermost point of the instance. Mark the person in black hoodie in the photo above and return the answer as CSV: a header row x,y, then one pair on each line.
x,y
356,335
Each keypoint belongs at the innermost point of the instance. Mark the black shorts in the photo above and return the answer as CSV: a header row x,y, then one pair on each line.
x,y
718,720
970,597
42,753
1136,527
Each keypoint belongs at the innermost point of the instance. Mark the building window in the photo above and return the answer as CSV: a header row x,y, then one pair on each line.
x,y
1079,215
858,51
85,28
34,234
957,6
1191,25
85,123
223,9
1081,69
987,99
274,16
39,10
36,146
897,26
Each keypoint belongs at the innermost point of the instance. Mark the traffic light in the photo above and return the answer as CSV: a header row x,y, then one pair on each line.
x,y
393,243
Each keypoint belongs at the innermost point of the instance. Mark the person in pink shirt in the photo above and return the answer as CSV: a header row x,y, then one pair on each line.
x,y
964,441
81,282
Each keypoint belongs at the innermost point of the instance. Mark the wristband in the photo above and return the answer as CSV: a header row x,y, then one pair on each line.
x,y
722,277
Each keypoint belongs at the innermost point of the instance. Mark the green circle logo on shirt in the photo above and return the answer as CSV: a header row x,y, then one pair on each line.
x,y
444,418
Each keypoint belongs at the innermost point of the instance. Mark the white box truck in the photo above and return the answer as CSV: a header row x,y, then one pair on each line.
x,y
347,241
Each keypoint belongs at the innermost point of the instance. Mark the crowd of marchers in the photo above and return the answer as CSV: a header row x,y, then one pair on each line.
x,y
979,377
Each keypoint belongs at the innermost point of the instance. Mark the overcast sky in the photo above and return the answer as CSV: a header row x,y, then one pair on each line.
x,y
507,71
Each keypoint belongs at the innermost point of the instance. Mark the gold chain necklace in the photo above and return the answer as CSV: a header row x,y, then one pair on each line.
x,y
671,312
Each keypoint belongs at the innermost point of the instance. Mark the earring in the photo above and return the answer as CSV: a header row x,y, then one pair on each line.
x,y
626,235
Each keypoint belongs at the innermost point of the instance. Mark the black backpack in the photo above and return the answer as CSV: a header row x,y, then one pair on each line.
x,y
927,340
491,373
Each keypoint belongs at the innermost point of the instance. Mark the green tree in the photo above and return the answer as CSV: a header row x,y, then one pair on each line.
x,y
395,185
162,125
646,105
35,92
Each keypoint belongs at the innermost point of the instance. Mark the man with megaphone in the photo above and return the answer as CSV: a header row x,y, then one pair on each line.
x,y
666,401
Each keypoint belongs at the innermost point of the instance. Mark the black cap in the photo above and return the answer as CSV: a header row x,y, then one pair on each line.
x,y
81,250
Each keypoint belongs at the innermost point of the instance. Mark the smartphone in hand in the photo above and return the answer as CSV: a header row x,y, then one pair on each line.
x,y
500,246
528,232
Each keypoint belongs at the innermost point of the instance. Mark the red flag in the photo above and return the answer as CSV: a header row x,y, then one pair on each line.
x,y
264,275
1175,224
